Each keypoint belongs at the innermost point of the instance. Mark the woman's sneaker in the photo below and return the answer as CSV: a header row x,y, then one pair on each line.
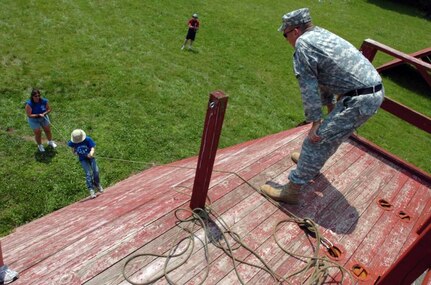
x,y
52,143
7,275
41,148
92,194
100,189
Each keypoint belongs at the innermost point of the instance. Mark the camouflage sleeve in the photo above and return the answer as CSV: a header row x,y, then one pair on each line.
x,y
305,68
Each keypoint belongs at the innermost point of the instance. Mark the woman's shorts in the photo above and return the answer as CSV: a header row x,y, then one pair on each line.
x,y
37,123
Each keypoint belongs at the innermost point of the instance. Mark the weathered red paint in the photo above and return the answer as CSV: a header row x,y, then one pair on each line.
x,y
209,144
88,242
1,256
372,147
415,261
427,278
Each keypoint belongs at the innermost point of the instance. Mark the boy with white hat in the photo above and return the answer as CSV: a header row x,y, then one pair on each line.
x,y
84,147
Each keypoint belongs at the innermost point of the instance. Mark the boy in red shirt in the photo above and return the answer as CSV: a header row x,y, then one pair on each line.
x,y
191,33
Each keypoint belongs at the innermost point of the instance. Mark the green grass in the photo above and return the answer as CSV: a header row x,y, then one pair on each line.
x,y
115,69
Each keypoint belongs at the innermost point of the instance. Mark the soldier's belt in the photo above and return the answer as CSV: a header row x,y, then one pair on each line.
x,y
362,91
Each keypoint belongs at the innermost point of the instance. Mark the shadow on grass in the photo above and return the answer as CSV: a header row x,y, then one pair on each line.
x,y
406,7
191,50
409,78
46,156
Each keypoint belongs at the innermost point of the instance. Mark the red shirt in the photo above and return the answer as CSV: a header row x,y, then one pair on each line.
x,y
193,23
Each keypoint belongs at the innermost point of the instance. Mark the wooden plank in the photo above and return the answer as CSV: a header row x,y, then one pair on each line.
x,y
238,161
395,53
76,266
368,219
420,223
405,113
396,161
64,264
280,139
113,273
246,214
315,211
41,229
280,164
393,63
277,154
231,215
260,180
89,218
374,241
292,228
396,240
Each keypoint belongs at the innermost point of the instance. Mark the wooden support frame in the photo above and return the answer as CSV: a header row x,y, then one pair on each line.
x,y
405,113
369,49
417,258
1,256
210,138
396,62
415,261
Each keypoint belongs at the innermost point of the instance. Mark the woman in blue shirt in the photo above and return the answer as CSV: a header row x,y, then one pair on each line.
x,y
83,146
37,109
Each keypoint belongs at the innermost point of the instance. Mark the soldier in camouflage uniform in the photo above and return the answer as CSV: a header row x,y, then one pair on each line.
x,y
327,67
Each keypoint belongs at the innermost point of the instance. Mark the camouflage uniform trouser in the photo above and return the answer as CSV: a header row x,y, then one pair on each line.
x,y
349,113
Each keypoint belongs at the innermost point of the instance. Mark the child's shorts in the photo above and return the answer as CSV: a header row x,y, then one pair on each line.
x,y
37,123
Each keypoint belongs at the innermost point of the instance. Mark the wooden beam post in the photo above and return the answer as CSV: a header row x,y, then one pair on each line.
x,y
1,256
405,113
210,138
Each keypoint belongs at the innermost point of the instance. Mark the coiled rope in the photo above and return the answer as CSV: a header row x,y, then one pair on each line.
x,y
206,218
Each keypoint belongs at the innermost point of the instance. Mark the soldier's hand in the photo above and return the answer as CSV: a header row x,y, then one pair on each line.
x,y
312,134
314,138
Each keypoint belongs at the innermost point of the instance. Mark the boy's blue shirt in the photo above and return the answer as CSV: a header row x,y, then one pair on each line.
x,y
83,148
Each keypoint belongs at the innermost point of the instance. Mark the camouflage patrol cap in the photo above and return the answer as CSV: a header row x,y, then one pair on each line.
x,y
295,18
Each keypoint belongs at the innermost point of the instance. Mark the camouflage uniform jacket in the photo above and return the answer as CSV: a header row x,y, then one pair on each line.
x,y
326,65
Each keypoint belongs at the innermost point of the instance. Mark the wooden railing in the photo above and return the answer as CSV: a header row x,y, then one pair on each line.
x,y
369,49
417,258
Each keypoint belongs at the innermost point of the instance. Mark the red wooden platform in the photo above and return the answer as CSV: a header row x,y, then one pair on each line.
x,y
89,242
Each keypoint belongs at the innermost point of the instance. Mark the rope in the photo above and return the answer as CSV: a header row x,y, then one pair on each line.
x,y
201,218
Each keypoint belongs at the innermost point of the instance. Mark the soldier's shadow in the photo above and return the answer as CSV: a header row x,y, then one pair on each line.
x,y
46,156
324,204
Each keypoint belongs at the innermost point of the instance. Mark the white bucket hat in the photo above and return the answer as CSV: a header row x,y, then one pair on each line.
x,y
78,136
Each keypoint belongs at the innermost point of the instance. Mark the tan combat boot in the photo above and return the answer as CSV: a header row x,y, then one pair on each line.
x,y
295,156
289,193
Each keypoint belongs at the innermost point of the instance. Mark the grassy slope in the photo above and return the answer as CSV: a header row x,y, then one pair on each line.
x,y
115,69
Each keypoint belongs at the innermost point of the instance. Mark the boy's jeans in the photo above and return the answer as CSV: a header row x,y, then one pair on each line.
x,y
92,179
